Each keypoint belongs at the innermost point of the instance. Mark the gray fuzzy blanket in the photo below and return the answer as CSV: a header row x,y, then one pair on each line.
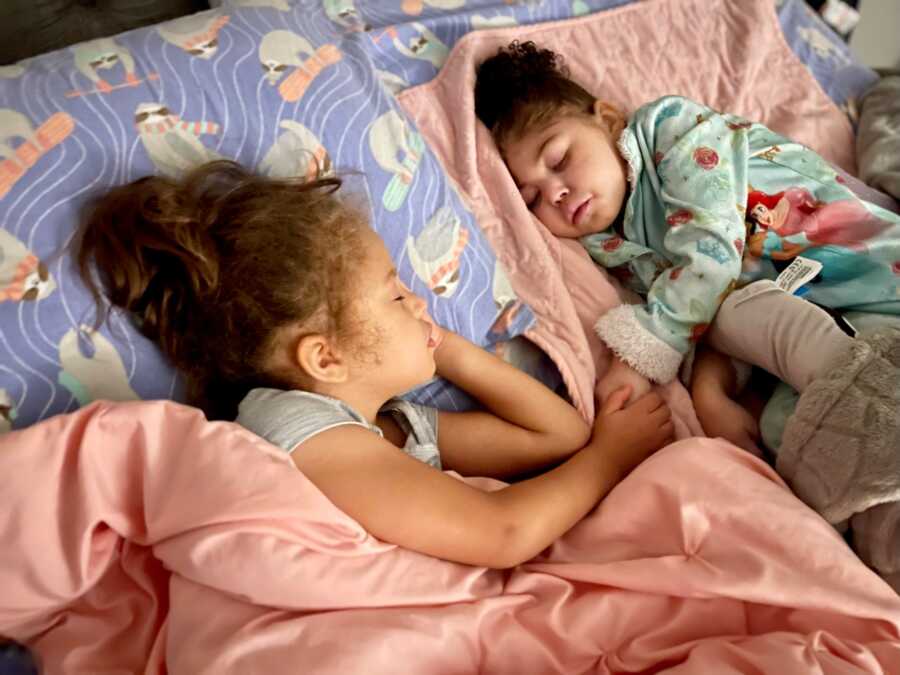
x,y
878,137
841,449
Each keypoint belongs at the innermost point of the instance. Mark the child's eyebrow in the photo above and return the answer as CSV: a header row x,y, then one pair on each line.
x,y
391,274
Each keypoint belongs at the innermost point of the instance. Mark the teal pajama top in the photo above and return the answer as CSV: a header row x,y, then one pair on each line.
x,y
717,202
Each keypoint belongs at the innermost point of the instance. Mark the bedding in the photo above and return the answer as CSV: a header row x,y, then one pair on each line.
x,y
279,85
878,145
157,542
743,43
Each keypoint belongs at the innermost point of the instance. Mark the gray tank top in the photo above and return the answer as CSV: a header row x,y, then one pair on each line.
x,y
287,418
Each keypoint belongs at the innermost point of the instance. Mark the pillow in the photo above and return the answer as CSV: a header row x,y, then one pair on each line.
x,y
269,83
266,84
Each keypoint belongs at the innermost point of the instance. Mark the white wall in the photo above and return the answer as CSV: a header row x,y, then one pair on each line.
x,y
876,39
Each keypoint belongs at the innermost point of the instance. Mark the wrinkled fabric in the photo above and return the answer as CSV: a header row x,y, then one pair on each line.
x,y
138,537
730,56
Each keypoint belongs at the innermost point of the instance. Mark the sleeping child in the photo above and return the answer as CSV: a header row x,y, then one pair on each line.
x,y
684,204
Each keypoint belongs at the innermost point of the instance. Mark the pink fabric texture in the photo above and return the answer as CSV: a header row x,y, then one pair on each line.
x,y
731,56
140,538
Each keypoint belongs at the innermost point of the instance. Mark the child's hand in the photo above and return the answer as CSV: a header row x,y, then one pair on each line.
x,y
619,375
628,435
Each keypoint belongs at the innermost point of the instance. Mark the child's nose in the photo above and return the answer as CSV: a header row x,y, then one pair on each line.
x,y
557,194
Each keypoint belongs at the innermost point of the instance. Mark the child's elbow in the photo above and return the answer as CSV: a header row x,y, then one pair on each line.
x,y
571,436
511,544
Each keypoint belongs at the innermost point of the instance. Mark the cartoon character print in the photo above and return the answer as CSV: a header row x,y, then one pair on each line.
x,y
435,254
197,34
345,14
280,50
23,276
35,143
92,368
173,145
296,152
103,54
394,84
7,411
505,299
422,45
414,7
398,150
791,221
821,45
580,7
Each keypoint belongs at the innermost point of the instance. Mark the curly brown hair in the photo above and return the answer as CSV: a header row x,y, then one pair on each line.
x,y
214,265
522,86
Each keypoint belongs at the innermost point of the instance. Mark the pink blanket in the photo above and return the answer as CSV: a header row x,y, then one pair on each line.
x,y
729,55
139,538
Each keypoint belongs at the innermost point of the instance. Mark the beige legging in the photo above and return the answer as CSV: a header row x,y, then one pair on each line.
x,y
791,338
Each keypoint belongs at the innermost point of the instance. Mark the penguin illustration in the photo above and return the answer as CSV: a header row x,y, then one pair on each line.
x,y
397,149
14,162
7,411
435,254
296,152
92,368
197,34
344,13
23,276
423,45
103,54
281,49
173,145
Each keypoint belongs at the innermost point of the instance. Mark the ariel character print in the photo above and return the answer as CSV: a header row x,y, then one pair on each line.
x,y
791,221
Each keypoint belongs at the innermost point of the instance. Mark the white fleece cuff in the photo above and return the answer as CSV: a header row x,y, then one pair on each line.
x,y
638,347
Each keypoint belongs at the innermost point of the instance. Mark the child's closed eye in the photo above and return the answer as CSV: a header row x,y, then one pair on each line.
x,y
561,164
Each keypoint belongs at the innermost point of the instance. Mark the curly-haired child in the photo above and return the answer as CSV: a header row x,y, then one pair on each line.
x,y
685,204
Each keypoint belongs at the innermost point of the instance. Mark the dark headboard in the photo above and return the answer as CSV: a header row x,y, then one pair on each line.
x,y
31,27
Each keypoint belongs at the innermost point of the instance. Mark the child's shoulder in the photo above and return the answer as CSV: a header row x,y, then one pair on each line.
x,y
288,417
670,106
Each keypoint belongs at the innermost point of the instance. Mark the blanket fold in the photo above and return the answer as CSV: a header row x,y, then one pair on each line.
x,y
159,542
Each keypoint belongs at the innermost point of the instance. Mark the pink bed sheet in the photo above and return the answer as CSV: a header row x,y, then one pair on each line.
x,y
140,538
729,55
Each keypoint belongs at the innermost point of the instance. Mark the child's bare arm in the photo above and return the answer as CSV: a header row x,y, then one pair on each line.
x,y
404,501
525,427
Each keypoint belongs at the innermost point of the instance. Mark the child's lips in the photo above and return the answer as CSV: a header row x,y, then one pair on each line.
x,y
581,212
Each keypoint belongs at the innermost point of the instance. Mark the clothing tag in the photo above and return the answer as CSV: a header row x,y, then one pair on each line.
x,y
798,273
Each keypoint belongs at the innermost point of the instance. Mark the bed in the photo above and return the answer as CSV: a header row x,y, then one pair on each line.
x,y
159,542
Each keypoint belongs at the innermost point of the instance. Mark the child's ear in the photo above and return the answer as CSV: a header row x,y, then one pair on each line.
x,y
610,116
320,359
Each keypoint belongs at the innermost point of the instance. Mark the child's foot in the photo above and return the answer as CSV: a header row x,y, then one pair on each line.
x,y
724,417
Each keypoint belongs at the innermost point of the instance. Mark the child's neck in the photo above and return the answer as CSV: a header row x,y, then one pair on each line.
x,y
362,397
